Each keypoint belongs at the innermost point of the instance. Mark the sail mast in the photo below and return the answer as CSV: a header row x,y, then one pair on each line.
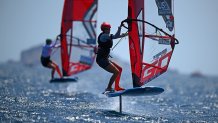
x,y
136,11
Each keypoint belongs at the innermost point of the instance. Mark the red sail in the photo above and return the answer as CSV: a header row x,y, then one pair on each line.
x,y
148,63
136,10
78,35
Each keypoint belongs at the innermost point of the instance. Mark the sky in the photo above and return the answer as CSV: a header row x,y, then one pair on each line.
x,y
27,23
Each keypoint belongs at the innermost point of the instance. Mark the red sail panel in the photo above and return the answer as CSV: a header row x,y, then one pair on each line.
x,y
136,39
78,35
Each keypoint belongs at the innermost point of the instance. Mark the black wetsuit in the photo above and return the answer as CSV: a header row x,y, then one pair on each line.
x,y
104,51
45,61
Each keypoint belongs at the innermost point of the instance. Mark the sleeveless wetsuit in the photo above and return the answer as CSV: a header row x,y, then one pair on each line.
x,y
104,44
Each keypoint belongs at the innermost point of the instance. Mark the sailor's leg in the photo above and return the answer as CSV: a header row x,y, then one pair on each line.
x,y
52,73
112,69
50,65
117,80
57,69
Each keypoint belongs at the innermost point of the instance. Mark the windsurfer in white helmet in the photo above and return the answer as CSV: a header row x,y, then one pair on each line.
x,y
45,58
105,42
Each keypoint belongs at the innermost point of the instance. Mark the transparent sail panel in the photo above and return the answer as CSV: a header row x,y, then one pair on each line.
x,y
157,45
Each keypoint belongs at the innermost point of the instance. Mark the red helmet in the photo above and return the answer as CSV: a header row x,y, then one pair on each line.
x,y
105,25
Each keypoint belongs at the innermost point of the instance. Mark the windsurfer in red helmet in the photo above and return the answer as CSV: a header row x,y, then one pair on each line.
x,y
45,58
105,42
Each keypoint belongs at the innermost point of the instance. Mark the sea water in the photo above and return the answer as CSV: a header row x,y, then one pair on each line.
x,y
27,96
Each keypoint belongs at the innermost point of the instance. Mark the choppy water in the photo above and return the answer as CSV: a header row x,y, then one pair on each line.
x,y
27,96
